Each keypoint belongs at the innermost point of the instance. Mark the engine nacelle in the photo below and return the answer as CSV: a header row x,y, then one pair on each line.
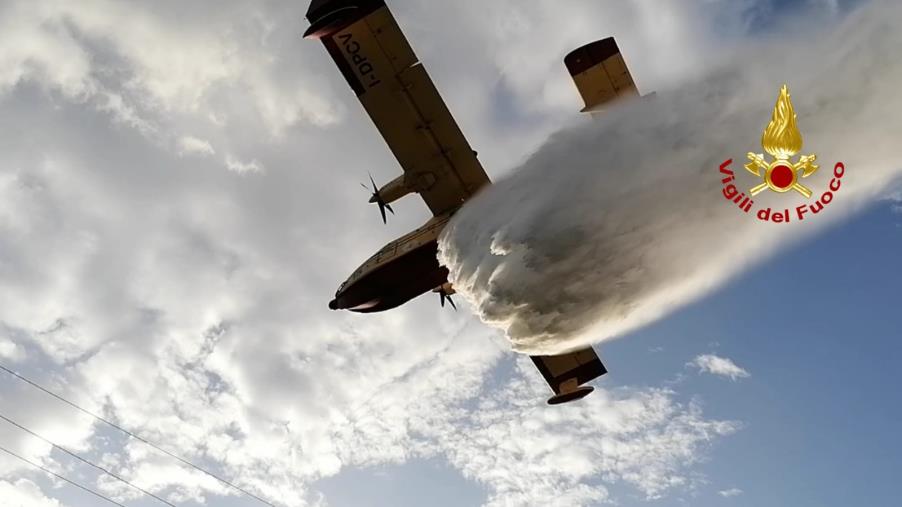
x,y
405,184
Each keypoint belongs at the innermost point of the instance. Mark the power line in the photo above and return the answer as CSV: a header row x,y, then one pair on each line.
x,y
85,461
136,437
60,477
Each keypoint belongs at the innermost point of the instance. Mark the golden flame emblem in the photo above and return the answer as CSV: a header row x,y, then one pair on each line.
x,y
782,140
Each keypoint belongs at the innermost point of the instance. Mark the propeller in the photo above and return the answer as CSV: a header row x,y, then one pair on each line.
x,y
448,297
376,198
444,293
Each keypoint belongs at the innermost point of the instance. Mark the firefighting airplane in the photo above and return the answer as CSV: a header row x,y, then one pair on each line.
x,y
375,58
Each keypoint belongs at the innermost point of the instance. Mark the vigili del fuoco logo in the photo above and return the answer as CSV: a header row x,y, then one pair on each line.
x,y
783,174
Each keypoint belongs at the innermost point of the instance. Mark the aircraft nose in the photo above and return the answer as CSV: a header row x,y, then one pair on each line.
x,y
333,305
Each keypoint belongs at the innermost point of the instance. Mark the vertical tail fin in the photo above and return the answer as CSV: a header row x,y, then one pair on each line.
x,y
600,73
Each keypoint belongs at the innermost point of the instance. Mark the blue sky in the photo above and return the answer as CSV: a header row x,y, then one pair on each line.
x,y
818,329
179,198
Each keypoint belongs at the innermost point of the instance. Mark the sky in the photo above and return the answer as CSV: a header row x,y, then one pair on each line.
x,y
179,199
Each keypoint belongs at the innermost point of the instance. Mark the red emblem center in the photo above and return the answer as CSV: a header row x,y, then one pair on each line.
x,y
781,176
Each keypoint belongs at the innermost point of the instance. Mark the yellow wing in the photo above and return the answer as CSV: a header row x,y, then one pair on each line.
x,y
600,73
378,63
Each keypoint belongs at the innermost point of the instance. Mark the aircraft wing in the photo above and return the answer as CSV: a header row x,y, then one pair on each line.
x,y
600,73
378,63
566,372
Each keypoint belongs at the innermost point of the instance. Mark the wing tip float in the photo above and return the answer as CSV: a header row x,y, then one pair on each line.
x,y
565,373
329,16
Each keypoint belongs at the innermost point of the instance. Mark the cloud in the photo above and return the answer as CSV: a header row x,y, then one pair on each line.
x,y
156,64
716,365
730,493
896,202
11,350
189,145
528,455
617,222
241,167
24,493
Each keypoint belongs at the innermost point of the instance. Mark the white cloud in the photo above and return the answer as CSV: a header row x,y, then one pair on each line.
x,y
41,49
24,493
716,365
531,455
156,63
241,167
190,145
730,493
896,202
11,350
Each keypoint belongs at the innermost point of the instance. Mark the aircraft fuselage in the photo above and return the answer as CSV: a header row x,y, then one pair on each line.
x,y
399,272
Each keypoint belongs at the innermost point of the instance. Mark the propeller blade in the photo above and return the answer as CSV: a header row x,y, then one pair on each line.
x,y
376,198
444,296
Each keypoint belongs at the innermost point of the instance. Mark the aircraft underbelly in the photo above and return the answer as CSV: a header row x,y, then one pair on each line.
x,y
396,282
